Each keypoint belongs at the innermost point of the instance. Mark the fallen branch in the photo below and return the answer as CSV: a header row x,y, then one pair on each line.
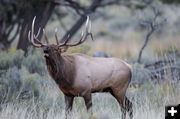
x,y
159,62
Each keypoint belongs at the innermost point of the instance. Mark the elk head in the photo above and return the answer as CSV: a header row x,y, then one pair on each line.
x,y
53,50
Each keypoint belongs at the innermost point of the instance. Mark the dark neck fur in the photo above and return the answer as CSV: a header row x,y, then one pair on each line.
x,y
62,70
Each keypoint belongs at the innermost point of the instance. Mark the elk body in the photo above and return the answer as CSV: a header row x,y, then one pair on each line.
x,y
82,75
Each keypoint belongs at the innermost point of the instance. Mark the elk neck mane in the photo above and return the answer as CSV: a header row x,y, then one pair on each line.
x,y
62,69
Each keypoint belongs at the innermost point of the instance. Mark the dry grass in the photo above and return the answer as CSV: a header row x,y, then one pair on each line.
x,y
149,101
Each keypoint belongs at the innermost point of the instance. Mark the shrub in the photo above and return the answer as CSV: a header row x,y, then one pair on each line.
x,y
11,59
18,84
34,62
140,75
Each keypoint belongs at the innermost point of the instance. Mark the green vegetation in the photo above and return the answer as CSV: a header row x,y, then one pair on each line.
x,y
48,103
18,84
24,93
34,62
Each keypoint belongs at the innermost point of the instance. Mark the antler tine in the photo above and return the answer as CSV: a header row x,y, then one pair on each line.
x,y
67,39
87,24
31,36
65,42
84,35
29,33
89,30
45,36
56,36
35,36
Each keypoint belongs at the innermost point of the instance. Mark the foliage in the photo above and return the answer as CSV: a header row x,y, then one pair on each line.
x,y
18,84
140,75
11,59
33,62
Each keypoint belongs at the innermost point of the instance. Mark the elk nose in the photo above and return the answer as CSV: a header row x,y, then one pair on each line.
x,y
45,49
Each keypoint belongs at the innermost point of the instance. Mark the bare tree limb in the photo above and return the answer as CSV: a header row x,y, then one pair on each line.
x,y
94,5
159,62
165,67
152,25
72,4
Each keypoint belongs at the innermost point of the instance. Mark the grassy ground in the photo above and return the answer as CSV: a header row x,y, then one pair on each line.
x,y
148,100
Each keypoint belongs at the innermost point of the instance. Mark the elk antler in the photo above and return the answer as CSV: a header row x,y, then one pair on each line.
x,y
83,35
45,36
55,34
32,36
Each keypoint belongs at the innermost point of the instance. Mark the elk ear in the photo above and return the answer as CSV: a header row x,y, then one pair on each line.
x,y
63,49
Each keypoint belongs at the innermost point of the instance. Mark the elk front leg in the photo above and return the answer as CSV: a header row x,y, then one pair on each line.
x,y
69,103
88,101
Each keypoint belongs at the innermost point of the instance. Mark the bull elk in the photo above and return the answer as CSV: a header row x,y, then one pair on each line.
x,y
81,75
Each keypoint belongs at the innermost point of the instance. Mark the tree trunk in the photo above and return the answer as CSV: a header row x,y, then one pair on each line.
x,y
42,14
4,43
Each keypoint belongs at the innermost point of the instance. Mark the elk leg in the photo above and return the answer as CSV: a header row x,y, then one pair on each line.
x,y
69,103
88,101
129,109
123,115
122,105
120,97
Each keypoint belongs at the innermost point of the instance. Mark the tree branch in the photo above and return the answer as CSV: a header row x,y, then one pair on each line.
x,y
94,5
152,24
74,5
